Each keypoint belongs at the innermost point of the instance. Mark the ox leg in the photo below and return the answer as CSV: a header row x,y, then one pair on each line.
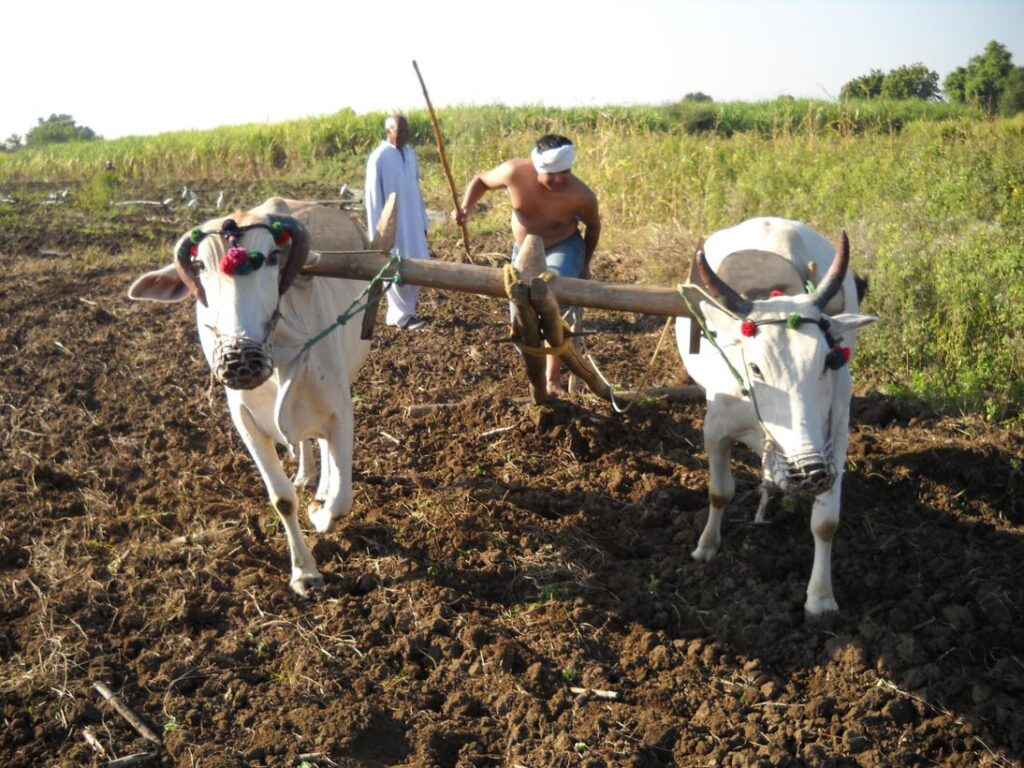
x,y
761,517
825,513
324,484
282,497
337,502
824,523
305,476
721,489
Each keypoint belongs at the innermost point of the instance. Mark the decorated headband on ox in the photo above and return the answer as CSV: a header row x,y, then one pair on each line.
x,y
238,260
838,355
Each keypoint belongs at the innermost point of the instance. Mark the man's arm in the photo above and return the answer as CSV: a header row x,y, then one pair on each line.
x,y
495,178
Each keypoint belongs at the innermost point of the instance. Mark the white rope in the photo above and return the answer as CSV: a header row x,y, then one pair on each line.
x,y
643,380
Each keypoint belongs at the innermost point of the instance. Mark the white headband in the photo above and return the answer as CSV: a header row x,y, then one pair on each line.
x,y
554,160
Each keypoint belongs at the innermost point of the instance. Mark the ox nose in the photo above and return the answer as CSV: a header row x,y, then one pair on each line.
x,y
810,475
240,363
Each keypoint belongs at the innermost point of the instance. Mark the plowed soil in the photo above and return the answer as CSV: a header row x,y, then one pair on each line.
x,y
514,586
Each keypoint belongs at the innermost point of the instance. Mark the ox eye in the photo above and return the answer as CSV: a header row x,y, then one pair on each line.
x,y
198,266
272,257
756,371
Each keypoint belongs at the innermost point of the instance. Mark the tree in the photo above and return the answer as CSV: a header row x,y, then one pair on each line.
x,y
697,96
955,85
867,86
11,143
1012,100
983,80
57,129
913,82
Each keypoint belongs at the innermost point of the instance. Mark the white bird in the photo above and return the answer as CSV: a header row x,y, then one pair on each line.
x,y
193,199
220,199
184,192
342,191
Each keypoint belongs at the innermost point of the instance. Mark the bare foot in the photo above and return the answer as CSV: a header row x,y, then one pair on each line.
x,y
555,389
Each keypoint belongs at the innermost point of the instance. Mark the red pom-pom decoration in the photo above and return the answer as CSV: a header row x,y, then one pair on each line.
x,y
233,259
748,328
193,249
775,294
283,238
845,352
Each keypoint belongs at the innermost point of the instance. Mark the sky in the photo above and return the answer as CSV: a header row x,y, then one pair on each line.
x,y
145,68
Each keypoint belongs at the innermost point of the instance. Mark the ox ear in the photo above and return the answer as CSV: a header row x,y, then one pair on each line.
x,y
163,285
725,325
845,323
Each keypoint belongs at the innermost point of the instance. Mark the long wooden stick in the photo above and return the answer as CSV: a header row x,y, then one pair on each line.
x,y
489,281
444,157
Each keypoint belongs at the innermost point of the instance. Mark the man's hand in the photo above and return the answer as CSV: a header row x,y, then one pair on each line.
x,y
585,273
459,216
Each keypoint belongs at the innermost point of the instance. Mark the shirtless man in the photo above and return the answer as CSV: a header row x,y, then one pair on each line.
x,y
547,200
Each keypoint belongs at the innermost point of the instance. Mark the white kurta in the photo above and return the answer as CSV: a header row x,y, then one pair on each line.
x,y
390,169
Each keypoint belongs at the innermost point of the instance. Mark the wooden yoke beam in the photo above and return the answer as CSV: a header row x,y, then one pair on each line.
x,y
488,281
535,302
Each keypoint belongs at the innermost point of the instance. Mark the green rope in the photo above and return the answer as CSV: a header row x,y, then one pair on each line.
x,y
356,307
708,334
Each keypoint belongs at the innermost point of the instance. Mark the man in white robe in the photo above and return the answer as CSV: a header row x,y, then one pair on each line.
x,y
392,167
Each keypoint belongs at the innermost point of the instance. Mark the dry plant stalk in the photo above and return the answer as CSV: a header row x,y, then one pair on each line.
x,y
127,760
126,712
597,693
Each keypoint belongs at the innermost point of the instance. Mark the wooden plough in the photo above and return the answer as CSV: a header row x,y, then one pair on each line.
x,y
534,294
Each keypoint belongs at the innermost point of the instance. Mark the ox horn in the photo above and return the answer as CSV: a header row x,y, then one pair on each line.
x,y
718,288
833,280
298,252
187,270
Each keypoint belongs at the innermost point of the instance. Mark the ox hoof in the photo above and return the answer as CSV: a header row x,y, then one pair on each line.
x,y
305,483
320,517
704,554
306,583
820,608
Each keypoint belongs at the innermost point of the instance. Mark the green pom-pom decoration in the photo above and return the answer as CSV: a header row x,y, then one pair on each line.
x,y
195,236
256,259
793,321
276,228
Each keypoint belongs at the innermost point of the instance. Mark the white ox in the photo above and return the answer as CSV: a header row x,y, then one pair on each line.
x,y
779,382
255,314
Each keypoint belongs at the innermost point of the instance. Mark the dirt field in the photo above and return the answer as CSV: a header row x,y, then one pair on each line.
x,y
499,556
